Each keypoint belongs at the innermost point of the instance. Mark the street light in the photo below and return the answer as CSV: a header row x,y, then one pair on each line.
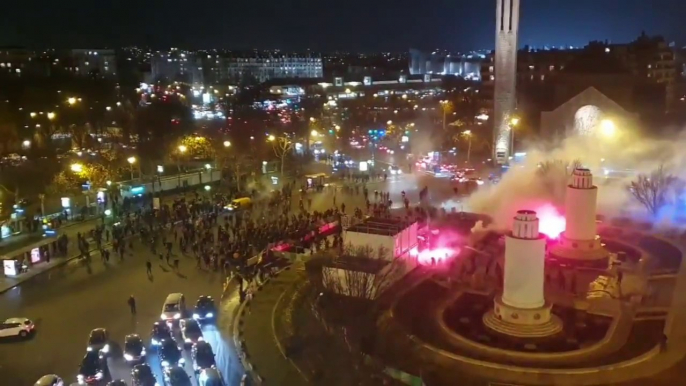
x,y
208,166
51,116
468,134
182,148
33,115
131,160
77,168
271,138
208,188
227,144
608,128
71,101
314,133
514,121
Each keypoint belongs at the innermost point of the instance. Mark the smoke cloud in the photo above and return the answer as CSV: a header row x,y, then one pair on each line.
x,y
614,162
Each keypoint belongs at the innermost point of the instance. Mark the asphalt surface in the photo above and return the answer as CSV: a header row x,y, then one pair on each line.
x,y
69,301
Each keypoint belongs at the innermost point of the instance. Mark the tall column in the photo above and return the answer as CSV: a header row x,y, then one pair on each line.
x,y
521,310
506,36
579,243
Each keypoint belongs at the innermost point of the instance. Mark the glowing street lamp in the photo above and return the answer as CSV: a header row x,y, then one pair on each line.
x,y
514,121
76,168
271,138
33,115
227,144
314,133
131,160
51,116
608,128
468,134
182,148
72,101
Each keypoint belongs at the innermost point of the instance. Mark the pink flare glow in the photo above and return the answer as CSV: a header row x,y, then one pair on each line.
x,y
440,255
551,222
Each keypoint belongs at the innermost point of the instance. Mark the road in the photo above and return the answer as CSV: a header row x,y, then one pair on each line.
x,y
69,301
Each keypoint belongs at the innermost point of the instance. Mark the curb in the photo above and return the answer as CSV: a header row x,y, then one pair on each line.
x,y
239,344
61,263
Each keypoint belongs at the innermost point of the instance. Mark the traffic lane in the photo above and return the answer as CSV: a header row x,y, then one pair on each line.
x,y
68,306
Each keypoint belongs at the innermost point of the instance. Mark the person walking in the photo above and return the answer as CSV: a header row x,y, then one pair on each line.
x,y
132,304
148,267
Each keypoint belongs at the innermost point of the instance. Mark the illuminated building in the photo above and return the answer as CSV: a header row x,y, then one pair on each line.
x,y
506,34
521,310
580,243
439,63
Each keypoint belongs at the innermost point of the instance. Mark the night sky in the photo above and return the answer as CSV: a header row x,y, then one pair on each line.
x,y
327,25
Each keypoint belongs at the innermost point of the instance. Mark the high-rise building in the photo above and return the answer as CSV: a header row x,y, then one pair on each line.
x,y
441,63
217,68
505,98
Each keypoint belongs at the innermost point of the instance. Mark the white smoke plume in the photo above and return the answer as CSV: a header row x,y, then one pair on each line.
x,y
523,187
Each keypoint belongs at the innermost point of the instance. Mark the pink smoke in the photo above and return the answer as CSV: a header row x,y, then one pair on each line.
x,y
440,255
551,222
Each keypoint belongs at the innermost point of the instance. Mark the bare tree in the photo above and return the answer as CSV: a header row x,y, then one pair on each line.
x,y
282,148
652,191
555,175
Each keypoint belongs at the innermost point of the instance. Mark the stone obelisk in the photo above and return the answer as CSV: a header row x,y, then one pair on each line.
x,y
506,34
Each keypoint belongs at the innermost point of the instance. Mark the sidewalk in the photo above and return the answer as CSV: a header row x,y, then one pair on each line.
x,y
257,325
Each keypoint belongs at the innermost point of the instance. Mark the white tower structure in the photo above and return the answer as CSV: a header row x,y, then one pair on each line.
x,y
506,37
521,310
580,242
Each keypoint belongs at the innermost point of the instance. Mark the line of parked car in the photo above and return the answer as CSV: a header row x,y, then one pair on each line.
x,y
93,369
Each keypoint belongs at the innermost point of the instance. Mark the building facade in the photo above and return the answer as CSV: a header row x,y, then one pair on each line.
x,y
200,68
441,63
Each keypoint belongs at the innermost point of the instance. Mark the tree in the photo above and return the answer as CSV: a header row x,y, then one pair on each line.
x,y
554,175
652,191
70,181
345,307
282,146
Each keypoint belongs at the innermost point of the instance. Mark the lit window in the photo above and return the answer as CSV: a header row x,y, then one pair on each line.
x,y
542,77
531,67
490,69
551,68
492,77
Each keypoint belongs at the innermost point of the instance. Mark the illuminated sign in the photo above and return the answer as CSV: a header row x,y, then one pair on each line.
x,y
35,255
137,190
363,166
10,268
66,202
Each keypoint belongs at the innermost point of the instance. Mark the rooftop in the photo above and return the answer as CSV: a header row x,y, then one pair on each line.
x,y
358,264
380,226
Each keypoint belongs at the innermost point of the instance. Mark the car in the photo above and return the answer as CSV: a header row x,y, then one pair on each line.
x,y
210,377
174,307
98,340
170,355
160,332
203,357
142,375
395,170
204,308
134,350
117,382
92,369
21,327
49,380
176,376
190,331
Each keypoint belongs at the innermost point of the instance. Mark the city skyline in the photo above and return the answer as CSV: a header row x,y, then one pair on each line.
x,y
331,26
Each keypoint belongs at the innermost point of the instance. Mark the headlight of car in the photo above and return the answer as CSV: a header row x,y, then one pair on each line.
x,y
163,316
128,357
89,348
196,316
154,342
177,316
209,315
106,348
165,364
